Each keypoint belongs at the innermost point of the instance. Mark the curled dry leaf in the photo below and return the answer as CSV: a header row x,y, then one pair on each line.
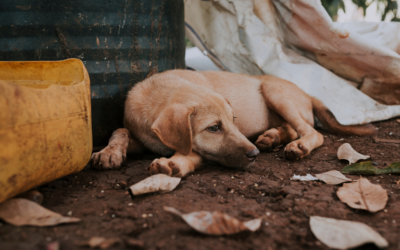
x,y
342,234
156,183
308,177
215,223
20,212
346,152
368,168
100,242
362,194
333,177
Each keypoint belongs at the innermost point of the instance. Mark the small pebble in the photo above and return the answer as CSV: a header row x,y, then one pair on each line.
x,y
48,238
144,215
102,191
113,216
232,191
256,185
144,225
130,204
393,221
268,213
69,213
150,215
384,221
232,177
385,210
374,163
215,185
341,139
263,194
266,223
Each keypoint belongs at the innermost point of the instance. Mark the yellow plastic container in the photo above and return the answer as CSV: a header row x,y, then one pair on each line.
x,y
45,123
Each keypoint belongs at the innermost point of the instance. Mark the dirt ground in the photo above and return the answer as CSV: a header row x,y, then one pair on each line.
x,y
100,199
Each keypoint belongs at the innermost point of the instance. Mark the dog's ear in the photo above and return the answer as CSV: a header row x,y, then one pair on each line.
x,y
173,128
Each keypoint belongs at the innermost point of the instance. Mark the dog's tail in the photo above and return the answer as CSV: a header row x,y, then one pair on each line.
x,y
327,119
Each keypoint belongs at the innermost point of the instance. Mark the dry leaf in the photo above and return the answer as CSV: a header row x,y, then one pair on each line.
x,y
20,212
101,242
342,234
308,177
362,194
333,177
346,152
156,183
215,223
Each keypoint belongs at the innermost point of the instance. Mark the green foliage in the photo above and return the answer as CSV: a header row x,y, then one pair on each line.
x,y
332,7
390,6
368,168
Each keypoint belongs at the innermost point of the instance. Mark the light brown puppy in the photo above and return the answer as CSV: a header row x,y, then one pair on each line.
x,y
193,116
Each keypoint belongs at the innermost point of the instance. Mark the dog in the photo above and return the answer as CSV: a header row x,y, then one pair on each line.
x,y
193,116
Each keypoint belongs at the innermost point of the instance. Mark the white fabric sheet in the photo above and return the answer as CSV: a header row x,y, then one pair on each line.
x,y
297,41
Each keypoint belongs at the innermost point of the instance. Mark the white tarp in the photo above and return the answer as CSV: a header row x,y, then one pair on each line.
x,y
296,40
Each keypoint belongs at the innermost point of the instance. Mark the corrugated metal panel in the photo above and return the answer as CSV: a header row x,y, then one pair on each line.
x,y
121,42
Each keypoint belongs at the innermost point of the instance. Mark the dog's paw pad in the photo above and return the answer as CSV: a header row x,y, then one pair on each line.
x,y
295,150
267,141
164,166
107,158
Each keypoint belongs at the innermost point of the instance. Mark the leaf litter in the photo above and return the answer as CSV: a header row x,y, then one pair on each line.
x,y
346,152
216,223
22,212
156,183
368,168
343,234
333,177
362,194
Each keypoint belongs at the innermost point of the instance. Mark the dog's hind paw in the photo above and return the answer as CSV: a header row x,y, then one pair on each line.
x,y
268,140
295,150
108,158
165,166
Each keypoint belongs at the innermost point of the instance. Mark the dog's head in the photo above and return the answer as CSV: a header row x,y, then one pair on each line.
x,y
204,122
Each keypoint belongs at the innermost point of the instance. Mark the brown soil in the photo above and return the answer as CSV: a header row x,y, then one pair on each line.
x,y
100,199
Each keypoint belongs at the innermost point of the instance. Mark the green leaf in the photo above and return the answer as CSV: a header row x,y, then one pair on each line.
x,y
368,168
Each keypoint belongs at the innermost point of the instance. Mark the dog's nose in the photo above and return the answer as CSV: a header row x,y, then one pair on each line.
x,y
252,155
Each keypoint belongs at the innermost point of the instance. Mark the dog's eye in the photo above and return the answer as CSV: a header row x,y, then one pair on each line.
x,y
214,128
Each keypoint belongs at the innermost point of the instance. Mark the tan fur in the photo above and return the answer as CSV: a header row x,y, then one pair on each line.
x,y
174,112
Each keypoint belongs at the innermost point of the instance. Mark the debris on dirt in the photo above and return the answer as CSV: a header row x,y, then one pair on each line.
x,y
53,246
376,139
368,168
20,212
156,183
342,234
346,152
308,177
32,195
100,242
363,195
134,243
216,223
333,177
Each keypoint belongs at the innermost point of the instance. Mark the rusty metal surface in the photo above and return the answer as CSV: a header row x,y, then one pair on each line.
x,y
121,42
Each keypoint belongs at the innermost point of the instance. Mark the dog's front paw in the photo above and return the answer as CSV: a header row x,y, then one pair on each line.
x,y
165,166
268,140
108,158
296,150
